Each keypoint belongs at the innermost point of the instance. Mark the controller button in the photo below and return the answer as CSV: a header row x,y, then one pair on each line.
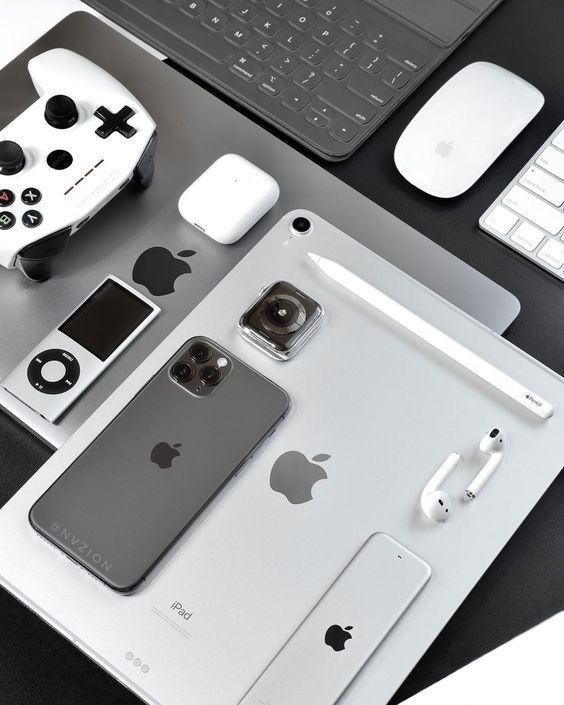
x,y
115,122
53,371
6,197
59,159
29,196
12,158
31,219
7,220
61,112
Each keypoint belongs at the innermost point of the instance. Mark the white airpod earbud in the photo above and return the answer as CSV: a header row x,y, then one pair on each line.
x,y
493,443
436,503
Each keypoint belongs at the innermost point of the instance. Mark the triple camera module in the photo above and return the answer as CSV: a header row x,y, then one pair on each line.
x,y
281,320
200,367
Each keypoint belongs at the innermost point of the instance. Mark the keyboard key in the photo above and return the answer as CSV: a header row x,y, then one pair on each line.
x,y
279,7
543,185
215,21
330,11
307,78
409,58
501,220
325,34
313,54
396,78
337,69
266,25
371,62
245,67
368,88
528,236
260,49
552,253
295,99
338,96
290,39
552,160
348,48
301,20
308,3
222,3
323,109
192,8
283,63
535,210
344,130
558,141
316,118
377,39
272,84
353,24
244,11
238,34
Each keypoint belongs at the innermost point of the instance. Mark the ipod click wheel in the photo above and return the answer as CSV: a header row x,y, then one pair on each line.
x,y
72,356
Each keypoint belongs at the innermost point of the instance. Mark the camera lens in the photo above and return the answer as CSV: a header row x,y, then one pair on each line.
x,y
301,225
200,352
182,371
211,376
282,314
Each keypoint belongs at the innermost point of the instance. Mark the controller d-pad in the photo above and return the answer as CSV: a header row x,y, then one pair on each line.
x,y
115,122
53,371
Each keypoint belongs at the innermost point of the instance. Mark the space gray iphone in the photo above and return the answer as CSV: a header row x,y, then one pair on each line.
x,y
340,634
127,498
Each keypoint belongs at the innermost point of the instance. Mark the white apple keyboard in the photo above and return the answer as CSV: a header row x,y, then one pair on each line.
x,y
529,214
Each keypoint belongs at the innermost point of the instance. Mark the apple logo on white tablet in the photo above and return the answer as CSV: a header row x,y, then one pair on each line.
x,y
157,269
443,149
336,637
294,476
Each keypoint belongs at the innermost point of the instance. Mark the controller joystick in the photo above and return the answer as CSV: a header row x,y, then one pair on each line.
x,y
61,112
12,158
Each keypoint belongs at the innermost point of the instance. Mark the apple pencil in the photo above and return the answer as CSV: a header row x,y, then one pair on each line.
x,y
433,336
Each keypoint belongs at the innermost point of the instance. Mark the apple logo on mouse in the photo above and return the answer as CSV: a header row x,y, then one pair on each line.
x,y
294,476
163,454
443,149
157,269
336,637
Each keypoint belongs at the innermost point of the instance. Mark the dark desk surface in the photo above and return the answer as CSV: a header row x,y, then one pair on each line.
x,y
526,583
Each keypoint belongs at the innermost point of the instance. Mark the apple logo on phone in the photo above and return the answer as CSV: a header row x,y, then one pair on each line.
x,y
336,637
163,454
157,269
294,476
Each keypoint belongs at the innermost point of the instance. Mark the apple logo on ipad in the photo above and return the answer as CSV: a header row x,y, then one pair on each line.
x,y
294,476
443,149
336,637
163,454
157,269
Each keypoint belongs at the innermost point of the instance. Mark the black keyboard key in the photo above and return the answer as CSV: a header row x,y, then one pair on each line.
x,y
214,20
330,11
279,7
348,48
343,130
295,99
266,25
245,67
323,109
290,39
376,39
192,8
308,3
394,77
340,97
316,119
272,84
284,63
260,49
371,62
409,58
373,90
244,11
314,54
222,4
238,34
301,20
353,24
307,78
325,34
337,69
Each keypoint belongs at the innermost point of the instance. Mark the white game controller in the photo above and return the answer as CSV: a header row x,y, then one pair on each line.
x,y
66,156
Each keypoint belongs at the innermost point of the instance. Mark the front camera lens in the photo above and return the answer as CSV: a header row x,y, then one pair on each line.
x,y
182,371
211,376
200,352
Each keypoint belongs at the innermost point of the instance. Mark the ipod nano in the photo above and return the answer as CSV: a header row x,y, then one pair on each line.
x,y
344,629
72,356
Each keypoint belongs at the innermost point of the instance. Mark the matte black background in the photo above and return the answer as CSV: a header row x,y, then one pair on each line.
x,y
525,585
